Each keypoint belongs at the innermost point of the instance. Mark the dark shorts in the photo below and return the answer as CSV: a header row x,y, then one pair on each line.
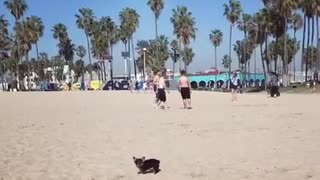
x,y
185,93
155,88
162,95
232,86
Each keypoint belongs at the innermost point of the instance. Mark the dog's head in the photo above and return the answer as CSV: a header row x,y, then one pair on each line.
x,y
138,161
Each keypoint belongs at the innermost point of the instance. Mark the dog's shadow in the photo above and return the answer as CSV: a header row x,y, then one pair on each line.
x,y
151,171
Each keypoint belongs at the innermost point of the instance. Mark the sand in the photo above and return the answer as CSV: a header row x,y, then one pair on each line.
x,y
94,135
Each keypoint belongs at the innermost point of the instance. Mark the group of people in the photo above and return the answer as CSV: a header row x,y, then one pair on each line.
x,y
160,88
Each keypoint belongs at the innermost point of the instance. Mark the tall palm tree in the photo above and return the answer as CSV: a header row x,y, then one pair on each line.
x,y
129,19
226,62
17,8
232,11
37,29
65,45
81,52
296,24
157,7
25,39
183,27
84,20
187,57
285,9
308,8
216,38
243,25
60,32
174,54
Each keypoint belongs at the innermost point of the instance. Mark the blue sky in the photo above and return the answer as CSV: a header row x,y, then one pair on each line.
x,y
208,15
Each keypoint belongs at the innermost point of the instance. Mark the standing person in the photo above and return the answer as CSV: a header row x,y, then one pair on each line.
x,y
234,86
161,92
185,90
155,85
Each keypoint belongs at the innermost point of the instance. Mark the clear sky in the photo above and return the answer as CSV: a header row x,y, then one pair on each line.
x,y
208,15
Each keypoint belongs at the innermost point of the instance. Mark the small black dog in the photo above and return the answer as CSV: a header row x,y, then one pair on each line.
x,y
147,166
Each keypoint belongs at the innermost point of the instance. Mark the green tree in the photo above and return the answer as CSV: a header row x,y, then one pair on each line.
x,y
187,57
17,8
153,63
216,38
296,24
84,21
37,28
226,61
156,7
232,11
183,27
174,54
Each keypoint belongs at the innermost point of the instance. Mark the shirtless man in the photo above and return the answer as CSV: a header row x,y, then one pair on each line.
x,y
185,89
161,92
155,85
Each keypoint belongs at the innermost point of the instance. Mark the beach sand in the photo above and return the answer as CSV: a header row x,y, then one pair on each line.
x,y
94,135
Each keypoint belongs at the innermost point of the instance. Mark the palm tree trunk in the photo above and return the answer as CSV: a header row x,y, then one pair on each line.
x,y
104,71
262,61
156,26
285,68
28,71
180,52
134,59
294,58
129,62
266,52
230,44
318,44
312,42
37,51
255,63
126,61
275,57
111,66
307,56
303,41
215,63
89,55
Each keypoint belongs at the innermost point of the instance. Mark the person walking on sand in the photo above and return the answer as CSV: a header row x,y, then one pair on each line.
x,y
184,88
161,92
155,85
234,86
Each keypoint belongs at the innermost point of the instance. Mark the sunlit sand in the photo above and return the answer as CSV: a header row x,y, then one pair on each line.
x,y
94,135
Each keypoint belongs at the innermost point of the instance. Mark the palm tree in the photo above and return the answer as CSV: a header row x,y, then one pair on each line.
x,y
297,23
37,29
184,27
25,39
174,53
65,45
157,7
17,8
187,57
285,8
129,19
232,11
84,21
60,32
243,25
216,38
81,52
226,61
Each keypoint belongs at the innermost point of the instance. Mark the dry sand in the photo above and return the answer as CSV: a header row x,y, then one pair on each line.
x,y
93,135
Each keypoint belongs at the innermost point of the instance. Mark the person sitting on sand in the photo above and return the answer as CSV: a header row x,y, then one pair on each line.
x,y
185,90
161,92
234,86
